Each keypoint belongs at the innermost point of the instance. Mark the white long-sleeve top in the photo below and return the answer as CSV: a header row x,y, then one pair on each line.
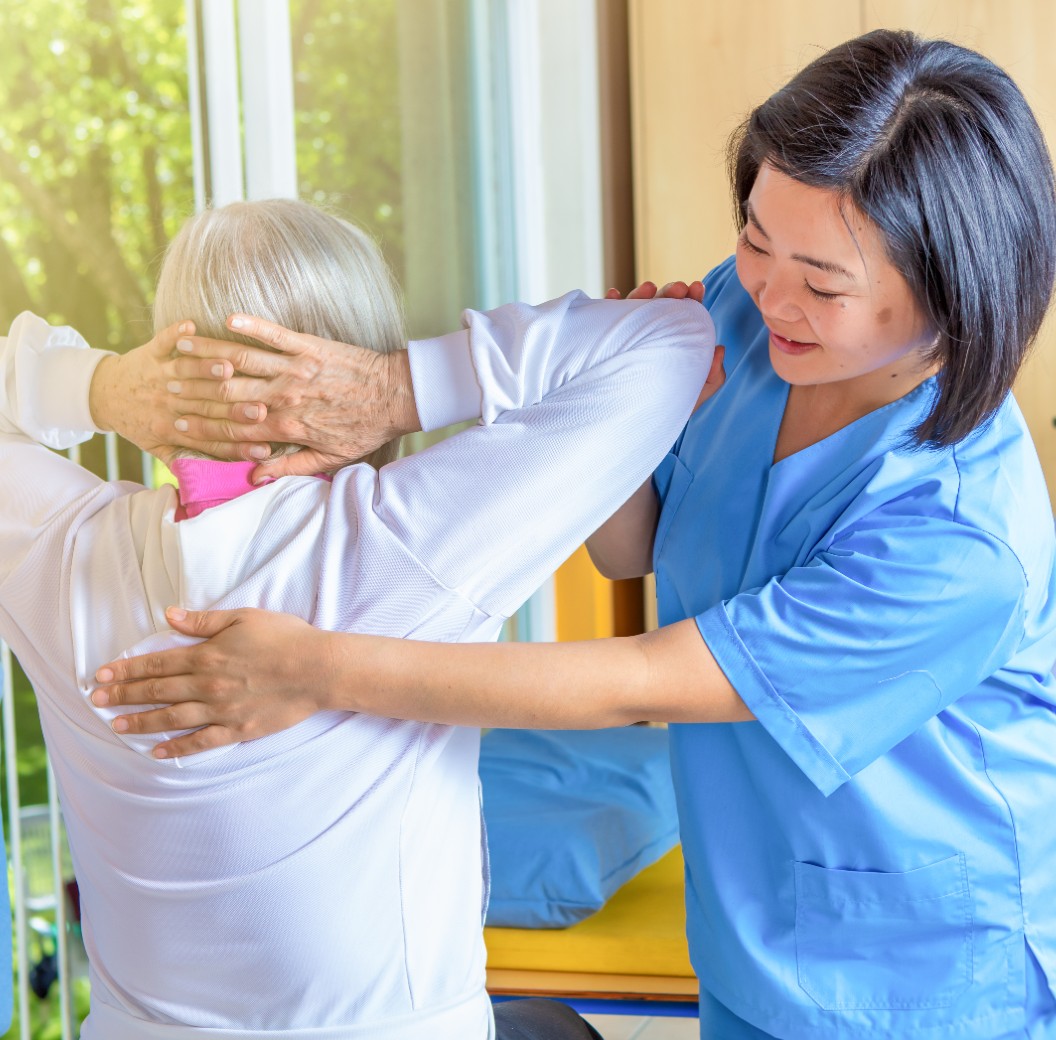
x,y
324,882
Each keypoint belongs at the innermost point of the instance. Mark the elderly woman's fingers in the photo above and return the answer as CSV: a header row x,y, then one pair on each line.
x,y
187,366
238,412
163,344
226,391
248,360
195,430
306,463
275,336
227,451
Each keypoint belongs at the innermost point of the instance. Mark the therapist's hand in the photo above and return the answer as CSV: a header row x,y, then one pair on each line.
x,y
671,291
338,400
258,674
681,291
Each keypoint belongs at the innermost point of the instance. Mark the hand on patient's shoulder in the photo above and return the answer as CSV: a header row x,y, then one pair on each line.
x,y
671,291
681,291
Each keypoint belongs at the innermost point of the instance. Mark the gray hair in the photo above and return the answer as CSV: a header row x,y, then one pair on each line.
x,y
288,262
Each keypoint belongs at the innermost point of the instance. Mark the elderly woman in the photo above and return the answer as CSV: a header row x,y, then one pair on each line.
x,y
326,882
853,543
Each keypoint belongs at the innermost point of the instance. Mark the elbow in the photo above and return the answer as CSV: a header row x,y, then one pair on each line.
x,y
617,568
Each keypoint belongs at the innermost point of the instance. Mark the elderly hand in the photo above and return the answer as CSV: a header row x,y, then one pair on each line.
x,y
128,392
337,400
258,673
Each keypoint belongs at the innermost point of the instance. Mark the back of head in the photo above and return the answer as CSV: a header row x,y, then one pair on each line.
x,y
288,262
937,146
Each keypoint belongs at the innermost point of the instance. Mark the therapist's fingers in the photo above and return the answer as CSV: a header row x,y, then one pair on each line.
x,y
189,715
716,376
203,736
168,689
204,739
176,661
645,291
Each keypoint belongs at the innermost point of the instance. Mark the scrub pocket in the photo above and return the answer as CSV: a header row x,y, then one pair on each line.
x,y
875,940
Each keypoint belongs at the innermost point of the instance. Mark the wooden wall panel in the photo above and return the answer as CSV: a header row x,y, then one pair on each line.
x,y
697,69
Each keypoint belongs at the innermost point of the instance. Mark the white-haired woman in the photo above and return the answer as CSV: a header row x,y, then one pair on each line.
x,y
324,883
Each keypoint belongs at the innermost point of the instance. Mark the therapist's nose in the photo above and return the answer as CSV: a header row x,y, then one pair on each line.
x,y
776,298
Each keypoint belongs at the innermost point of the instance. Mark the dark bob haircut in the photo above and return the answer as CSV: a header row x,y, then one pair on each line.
x,y
937,146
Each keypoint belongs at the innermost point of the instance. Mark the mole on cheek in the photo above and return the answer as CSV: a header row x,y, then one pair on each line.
x,y
884,315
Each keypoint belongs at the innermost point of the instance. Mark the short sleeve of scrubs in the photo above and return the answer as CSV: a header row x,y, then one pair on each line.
x,y
844,657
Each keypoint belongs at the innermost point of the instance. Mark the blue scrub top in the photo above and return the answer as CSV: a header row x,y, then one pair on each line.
x,y
876,855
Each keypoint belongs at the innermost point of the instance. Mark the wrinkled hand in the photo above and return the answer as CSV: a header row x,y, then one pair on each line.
x,y
257,673
337,400
128,392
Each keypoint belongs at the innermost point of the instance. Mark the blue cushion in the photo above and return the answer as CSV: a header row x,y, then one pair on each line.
x,y
571,816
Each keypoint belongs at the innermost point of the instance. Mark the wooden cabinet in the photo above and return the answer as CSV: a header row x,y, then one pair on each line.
x,y
698,68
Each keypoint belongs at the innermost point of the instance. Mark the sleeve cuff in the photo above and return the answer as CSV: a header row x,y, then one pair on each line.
x,y
64,414
444,380
766,704
48,373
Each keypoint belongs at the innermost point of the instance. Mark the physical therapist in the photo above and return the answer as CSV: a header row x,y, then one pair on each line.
x,y
854,550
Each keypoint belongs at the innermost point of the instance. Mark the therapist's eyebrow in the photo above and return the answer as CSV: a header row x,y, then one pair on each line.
x,y
822,265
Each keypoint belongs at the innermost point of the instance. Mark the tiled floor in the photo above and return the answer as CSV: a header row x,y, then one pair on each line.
x,y
627,1027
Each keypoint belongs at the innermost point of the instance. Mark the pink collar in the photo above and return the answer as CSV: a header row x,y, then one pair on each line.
x,y
203,483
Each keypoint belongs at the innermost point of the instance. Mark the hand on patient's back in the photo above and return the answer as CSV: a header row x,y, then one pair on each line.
x,y
256,673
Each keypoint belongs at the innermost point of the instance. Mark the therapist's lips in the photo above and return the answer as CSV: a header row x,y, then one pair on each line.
x,y
790,346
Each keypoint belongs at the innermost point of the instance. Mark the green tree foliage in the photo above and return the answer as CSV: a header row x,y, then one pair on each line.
x,y
347,103
95,159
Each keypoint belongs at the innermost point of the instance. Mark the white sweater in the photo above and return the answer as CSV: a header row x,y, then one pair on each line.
x,y
324,882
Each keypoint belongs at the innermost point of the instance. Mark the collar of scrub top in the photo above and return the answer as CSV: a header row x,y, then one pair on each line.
x,y
204,483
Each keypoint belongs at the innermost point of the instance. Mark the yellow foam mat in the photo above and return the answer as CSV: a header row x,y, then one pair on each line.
x,y
640,931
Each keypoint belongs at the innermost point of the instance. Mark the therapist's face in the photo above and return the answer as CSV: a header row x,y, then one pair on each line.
x,y
836,308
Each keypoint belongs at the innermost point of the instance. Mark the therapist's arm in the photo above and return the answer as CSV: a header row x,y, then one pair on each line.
x,y
256,657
